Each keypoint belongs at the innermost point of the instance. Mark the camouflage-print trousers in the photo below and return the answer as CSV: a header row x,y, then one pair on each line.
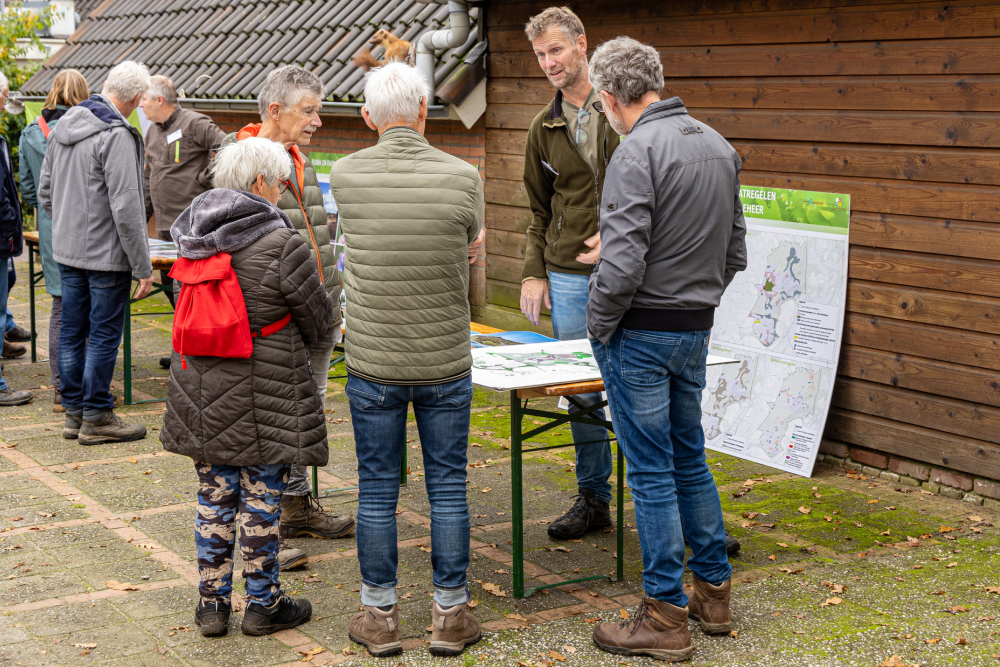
x,y
254,492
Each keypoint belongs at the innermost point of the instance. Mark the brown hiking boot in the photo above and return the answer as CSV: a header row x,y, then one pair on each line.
x,y
302,516
290,557
378,630
709,605
454,629
657,629
12,350
109,427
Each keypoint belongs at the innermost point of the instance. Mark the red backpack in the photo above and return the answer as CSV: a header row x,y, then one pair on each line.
x,y
210,319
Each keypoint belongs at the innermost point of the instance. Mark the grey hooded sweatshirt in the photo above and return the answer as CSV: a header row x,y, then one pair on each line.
x,y
91,186
672,229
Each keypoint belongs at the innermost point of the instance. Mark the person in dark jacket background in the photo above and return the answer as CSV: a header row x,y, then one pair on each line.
x,y
179,148
246,421
68,89
10,242
672,239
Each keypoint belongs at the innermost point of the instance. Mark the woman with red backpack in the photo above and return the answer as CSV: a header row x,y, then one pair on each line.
x,y
241,400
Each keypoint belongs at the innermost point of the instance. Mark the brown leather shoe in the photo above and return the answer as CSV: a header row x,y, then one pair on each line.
x,y
378,630
12,350
302,516
453,630
709,605
657,629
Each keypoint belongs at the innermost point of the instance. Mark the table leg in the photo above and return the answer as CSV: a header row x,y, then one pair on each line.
x,y
128,352
517,510
31,300
315,481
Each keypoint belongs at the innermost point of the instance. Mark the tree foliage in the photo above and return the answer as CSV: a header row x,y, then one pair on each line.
x,y
18,34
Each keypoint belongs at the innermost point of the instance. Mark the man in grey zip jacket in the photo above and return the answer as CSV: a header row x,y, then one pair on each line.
x,y
91,186
672,238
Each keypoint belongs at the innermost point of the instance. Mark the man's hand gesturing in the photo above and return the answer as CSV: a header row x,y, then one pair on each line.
x,y
534,292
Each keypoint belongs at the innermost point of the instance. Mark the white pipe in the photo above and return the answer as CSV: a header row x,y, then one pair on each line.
x,y
453,36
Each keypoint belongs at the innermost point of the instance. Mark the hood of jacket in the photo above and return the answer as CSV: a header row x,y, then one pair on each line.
x,y
86,119
222,220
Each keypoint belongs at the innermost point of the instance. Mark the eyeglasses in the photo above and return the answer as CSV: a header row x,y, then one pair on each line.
x,y
282,186
598,107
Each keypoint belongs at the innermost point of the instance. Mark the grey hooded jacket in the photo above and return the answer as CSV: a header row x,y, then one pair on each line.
x,y
672,229
91,186
262,410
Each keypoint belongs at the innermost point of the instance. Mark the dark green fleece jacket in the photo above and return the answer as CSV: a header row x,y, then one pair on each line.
x,y
564,192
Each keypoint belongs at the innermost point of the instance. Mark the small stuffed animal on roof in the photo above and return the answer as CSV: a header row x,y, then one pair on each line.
x,y
396,49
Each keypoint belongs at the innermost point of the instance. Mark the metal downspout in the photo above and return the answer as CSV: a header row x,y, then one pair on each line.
x,y
455,35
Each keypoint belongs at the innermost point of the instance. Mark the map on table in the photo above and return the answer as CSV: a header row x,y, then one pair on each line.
x,y
540,365
158,248
782,319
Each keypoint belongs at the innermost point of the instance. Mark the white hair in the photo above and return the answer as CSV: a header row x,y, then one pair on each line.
x,y
393,93
286,86
238,165
162,86
4,86
126,80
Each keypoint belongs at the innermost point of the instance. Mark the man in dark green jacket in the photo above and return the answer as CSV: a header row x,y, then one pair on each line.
x,y
568,148
289,104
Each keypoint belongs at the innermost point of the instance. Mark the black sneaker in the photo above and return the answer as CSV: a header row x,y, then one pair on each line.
x,y
588,513
284,614
212,617
10,397
165,362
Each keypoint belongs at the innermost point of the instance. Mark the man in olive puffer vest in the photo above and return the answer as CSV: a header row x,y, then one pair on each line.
x,y
412,216
289,104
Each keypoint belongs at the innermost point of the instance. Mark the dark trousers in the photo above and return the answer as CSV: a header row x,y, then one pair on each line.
x,y
95,302
165,279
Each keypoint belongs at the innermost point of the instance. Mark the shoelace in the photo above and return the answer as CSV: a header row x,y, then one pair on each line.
x,y
578,508
632,623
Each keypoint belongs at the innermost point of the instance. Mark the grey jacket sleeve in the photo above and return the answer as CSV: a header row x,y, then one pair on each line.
x,y
123,177
626,215
45,186
478,211
736,254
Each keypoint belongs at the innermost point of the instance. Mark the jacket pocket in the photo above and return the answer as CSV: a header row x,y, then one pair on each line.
x,y
571,226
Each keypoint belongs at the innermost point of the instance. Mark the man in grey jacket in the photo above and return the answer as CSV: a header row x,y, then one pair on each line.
x,y
672,238
91,186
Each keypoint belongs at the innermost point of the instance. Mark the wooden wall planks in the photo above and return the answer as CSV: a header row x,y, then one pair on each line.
x,y
894,103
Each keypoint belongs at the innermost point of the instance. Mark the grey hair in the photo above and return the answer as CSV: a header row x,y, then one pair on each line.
x,y
162,86
286,86
126,80
3,83
393,93
626,69
238,165
554,17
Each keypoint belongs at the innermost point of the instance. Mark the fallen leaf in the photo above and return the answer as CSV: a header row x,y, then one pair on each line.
x,y
162,650
472,604
312,652
85,645
772,557
312,579
895,661
804,510
831,601
591,620
563,549
568,649
117,586
887,532
959,609
516,617
961,641
494,589
623,614
873,501
782,544
945,529
973,517
932,641
556,656
734,634
486,489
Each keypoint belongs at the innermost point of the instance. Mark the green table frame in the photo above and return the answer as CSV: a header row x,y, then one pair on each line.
x,y
518,411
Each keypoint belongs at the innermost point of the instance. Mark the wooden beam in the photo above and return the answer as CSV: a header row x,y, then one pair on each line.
x,y
915,442
941,343
509,193
903,57
508,142
947,309
898,267
957,238
507,218
903,405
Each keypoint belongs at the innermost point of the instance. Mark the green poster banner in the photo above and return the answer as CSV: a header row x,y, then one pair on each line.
x,y
797,209
323,161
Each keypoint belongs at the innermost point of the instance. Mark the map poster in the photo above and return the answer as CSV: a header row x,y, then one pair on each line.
x,y
782,320
504,367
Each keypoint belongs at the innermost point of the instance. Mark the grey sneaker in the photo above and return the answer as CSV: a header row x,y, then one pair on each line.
x,y
71,429
109,428
10,397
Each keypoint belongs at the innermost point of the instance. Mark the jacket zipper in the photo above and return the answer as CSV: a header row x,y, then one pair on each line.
x,y
558,232
305,217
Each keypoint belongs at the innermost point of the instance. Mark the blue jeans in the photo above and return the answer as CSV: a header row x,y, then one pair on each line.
x,y
96,302
378,412
654,381
569,293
